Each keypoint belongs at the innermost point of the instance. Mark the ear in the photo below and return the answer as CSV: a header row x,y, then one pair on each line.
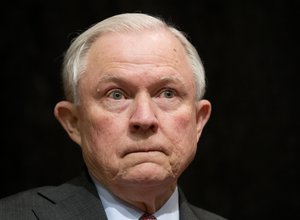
x,y
203,114
67,114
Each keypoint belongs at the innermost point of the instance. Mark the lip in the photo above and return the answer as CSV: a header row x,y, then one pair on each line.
x,y
133,150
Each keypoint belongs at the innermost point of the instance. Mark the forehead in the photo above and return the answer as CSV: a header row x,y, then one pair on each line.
x,y
137,46
143,52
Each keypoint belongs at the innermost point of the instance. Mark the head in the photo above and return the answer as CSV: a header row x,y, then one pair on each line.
x,y
75,59
134,88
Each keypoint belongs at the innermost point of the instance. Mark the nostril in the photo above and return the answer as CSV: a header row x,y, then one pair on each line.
x,y
153,127
136,127
143,127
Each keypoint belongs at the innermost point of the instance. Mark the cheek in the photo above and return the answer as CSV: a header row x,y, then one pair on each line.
x,y
185,127
98,136
183,137
100,142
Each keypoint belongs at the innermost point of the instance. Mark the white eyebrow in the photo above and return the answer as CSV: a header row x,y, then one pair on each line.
x,y
170,79
109,78
120,79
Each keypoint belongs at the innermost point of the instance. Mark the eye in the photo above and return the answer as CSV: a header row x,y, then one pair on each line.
x,y
116,94
167,93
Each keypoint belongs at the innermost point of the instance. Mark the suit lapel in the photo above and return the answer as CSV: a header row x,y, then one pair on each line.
x,y
185,210
77,199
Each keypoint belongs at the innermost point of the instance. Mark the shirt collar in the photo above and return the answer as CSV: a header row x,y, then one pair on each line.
x,y
115,208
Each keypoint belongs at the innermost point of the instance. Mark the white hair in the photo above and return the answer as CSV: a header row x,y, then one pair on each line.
x,y
75,63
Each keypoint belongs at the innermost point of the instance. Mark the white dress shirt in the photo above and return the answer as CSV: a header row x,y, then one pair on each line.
x,y
116,209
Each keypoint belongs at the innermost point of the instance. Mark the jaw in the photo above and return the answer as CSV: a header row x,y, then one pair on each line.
x,y
146,185
147,196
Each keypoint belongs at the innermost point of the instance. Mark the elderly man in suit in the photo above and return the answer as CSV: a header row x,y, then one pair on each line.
x,y
134,89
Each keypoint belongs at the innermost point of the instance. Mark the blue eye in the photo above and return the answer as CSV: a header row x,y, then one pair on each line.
x,y
116,95
167,93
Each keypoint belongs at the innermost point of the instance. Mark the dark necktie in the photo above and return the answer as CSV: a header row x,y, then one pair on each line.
x,y
147,216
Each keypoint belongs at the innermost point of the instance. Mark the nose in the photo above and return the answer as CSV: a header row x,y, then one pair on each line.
x,y
143,117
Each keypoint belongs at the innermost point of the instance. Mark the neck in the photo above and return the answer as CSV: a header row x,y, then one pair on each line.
x,y
148,199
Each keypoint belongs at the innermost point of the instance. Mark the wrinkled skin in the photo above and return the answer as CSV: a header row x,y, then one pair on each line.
x,y
138,121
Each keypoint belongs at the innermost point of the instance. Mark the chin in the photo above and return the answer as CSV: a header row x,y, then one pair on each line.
x,y
148,175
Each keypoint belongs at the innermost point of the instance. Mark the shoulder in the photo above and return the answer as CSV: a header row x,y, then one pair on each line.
x,y
204,214
21,205
36,196
77,197
191,212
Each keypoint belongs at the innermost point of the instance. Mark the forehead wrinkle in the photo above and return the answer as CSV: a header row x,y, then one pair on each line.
x,y
118,79
158,80
171,79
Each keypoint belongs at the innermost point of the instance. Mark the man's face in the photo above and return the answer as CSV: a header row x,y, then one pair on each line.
x,y
138,119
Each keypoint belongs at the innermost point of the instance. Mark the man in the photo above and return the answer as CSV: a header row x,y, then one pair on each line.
x,y
134,89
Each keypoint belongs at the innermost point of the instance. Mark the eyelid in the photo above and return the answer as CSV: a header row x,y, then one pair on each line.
x,y
111,91
167,89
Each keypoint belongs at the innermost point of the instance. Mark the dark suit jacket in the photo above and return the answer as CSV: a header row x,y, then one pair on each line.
x,y
76,199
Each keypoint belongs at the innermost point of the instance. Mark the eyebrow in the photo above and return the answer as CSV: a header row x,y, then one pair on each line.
x,y
162,80
109,78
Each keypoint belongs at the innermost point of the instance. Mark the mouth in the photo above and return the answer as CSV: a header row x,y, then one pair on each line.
x,y
135,150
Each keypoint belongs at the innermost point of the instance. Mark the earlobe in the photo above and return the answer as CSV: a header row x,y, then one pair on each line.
x,y
203,114
66,113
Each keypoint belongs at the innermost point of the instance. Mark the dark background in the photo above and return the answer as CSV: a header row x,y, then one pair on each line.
x,y
246,166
